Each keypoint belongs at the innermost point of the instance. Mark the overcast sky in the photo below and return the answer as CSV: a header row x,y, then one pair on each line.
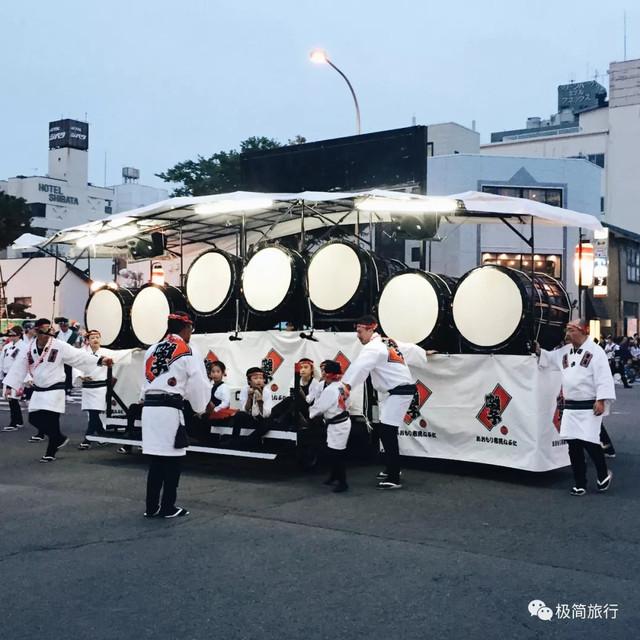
x,y
162,81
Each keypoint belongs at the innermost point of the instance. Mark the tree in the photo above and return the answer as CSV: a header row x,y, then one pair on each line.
x,y
15,218
219,173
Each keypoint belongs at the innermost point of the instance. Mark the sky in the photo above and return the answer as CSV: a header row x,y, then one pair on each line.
x,y
162,81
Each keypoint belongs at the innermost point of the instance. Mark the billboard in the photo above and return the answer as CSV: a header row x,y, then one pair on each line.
x,y
391,159
69,133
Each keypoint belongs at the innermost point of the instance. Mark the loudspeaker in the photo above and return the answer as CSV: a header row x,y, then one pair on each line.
x,y
420,227
148,248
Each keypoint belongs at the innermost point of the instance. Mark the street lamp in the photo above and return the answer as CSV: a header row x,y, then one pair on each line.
x,y
319,56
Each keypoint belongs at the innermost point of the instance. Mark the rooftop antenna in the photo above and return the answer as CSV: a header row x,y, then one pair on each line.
x,y
413,120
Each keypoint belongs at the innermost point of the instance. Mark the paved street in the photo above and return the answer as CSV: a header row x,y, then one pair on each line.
x,y
268,552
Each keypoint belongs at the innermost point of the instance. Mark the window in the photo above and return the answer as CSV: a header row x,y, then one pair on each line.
x,y
633,265
548,196
415,254
549,264
596,158
38,210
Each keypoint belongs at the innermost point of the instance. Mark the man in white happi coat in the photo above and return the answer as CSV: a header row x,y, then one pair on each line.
x,y
94,387
588,389
44,359
332,404
67,334
8,355
386,361
174,372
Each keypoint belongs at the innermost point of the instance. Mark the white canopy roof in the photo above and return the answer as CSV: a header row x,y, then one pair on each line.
x,y
210,219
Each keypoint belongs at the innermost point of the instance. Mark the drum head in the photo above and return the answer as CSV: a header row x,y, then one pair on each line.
x,y
266,279
209,282
149,315
487,307
409,308
334,276
106,314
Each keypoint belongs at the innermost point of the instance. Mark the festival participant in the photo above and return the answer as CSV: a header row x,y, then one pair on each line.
x,y
67,334
588,389
332,405
173,373
384,360
219,407
256,402
94,388
44,359
8,356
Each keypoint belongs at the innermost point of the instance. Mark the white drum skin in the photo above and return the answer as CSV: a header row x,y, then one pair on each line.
x,y
408,308
149,314
334,276
487,307
105,314
266,279
208,282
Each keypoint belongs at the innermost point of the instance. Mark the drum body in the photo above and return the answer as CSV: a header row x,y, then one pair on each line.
x,y
415,306
494,312
109,311
273,288
212,288
344,282
151,306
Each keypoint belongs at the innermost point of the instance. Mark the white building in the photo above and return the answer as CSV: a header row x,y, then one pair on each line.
x,y
606,133
569,183
64,197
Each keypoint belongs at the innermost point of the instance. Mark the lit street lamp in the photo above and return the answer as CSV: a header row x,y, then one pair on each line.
x,y
319,56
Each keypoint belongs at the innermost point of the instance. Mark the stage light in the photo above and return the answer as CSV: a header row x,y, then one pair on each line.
x,y
426,204
233,206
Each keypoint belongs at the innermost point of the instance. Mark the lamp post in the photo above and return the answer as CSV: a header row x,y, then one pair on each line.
x,y
319,56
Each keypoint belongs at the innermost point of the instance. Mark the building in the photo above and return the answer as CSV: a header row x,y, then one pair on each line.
x,y
606,133
64,197
569,183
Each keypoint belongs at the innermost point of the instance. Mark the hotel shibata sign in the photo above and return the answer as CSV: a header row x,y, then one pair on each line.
x,y
56,195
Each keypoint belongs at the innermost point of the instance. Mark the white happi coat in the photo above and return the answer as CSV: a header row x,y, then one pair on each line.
x,y
585,376
46,370
223,395
172,367
8,355
331,402
95,398
267,402
315,389
386,361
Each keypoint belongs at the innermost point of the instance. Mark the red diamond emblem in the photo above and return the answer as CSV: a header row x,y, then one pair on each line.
x,y
422,394
343,361
494,405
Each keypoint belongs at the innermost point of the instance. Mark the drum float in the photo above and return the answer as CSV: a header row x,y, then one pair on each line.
x,y
273,287
415,306
344,281
492,310
149,311
212,288
109,311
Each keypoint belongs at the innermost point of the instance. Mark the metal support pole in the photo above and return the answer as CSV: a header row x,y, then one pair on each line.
x,y
579,272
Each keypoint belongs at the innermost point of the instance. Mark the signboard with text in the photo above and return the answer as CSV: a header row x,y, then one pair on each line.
x,y
69,133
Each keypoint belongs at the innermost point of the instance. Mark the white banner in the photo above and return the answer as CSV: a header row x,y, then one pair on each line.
x,y
493,409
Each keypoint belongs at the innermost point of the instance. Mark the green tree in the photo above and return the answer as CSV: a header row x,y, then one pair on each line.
x,y
219,173
15,218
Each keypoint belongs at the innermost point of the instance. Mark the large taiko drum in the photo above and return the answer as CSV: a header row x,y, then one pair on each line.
x,y
493,310
149,311
273,288
415,306
109,311
344,281
212,287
